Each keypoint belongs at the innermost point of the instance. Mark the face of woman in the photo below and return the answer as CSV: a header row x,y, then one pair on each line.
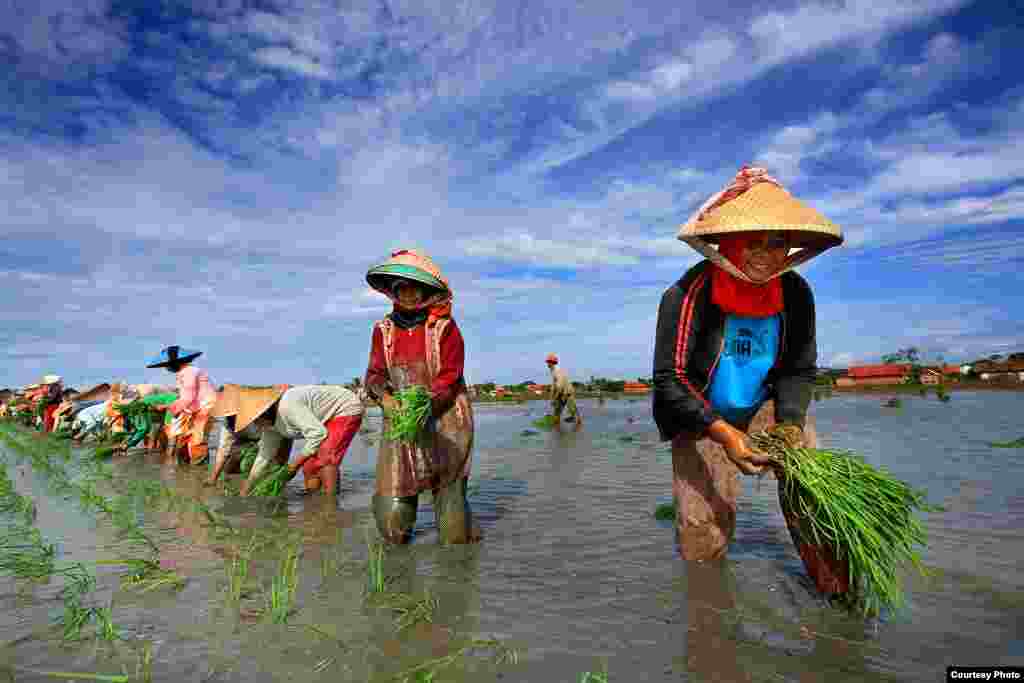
x,y
764,255
409,295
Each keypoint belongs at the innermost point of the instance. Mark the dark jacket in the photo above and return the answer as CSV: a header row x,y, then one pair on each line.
x,y
689,342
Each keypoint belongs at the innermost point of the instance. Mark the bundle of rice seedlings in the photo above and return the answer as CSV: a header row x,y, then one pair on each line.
x,y
249,453
847,517
410,417
272,483
1019,443
546,421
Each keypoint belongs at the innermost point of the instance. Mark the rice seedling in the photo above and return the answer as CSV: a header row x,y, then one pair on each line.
x,y
25,555
273,482
408,610
144,663
249,453
375,567
12,502
591,677
115,678
546,422
426,671
237,570
408,420
1019,443
147,575
106,630
864,514
665,511
281,599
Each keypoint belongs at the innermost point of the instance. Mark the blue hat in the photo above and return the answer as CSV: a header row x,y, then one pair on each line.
x,y
173,355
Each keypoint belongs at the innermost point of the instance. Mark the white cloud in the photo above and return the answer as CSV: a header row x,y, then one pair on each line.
x,y
525,248
290,60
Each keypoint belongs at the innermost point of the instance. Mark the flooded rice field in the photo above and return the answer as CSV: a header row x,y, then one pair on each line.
x,y
574,574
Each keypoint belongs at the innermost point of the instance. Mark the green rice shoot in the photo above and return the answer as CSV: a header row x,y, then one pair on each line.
x,y
864,513
665,512
249,453
410,417
273,482
1019,443
545,422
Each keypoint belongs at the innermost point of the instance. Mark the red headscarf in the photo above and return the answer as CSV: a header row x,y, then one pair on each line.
x,y
737,296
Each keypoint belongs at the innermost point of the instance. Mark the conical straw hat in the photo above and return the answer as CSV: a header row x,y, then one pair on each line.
x,y
765,206
254,401
756,202
227,401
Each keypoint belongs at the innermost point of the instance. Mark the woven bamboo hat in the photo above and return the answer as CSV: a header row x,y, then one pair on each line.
x,y
254,401
227,401
51,379
755,201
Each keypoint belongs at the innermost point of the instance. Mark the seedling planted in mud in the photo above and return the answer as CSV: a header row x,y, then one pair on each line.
x,y
426,671
375,568
281,599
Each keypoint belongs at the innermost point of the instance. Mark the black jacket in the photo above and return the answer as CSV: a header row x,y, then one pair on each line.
x,y
689,342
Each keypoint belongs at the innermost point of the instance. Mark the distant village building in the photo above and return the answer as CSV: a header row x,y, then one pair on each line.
x,y
537,389
875,375
635,388
991,371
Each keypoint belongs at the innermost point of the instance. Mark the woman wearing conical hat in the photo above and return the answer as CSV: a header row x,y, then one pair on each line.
x,y
418,343
735,349
325,417
51,399
196,398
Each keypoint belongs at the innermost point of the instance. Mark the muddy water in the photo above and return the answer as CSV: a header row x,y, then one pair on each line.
x,y
574,570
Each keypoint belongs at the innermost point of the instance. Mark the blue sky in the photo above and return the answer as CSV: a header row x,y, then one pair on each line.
x,y
221,175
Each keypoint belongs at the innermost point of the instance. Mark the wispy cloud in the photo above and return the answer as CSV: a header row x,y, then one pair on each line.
x,y
223,176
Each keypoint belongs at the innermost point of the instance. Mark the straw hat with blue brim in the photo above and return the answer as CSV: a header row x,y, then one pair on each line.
x,y
409,265
173,355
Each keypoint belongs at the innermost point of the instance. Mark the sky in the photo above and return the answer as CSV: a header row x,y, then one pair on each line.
x,y
222,174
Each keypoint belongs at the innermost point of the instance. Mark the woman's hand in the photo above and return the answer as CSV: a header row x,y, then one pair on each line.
x,y
736,447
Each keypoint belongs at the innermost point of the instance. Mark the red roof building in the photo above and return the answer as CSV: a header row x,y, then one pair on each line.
x,y
635,388
865,375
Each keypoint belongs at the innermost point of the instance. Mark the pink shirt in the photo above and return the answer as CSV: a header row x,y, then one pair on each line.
x,y
194,391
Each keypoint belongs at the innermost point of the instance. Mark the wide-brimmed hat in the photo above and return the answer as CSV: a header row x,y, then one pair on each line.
x,y
254,401
227,401
51,379
552,358
755,201
173,355
406,264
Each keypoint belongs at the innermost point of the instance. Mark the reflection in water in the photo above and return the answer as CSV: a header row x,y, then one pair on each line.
x,y
573,568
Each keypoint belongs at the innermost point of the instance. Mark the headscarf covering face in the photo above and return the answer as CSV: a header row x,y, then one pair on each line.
x,y
732,295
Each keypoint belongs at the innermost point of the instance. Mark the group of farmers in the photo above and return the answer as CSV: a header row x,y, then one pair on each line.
x,y
734,350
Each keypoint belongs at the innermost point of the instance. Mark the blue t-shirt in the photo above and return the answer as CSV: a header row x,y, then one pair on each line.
x,y
737,387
